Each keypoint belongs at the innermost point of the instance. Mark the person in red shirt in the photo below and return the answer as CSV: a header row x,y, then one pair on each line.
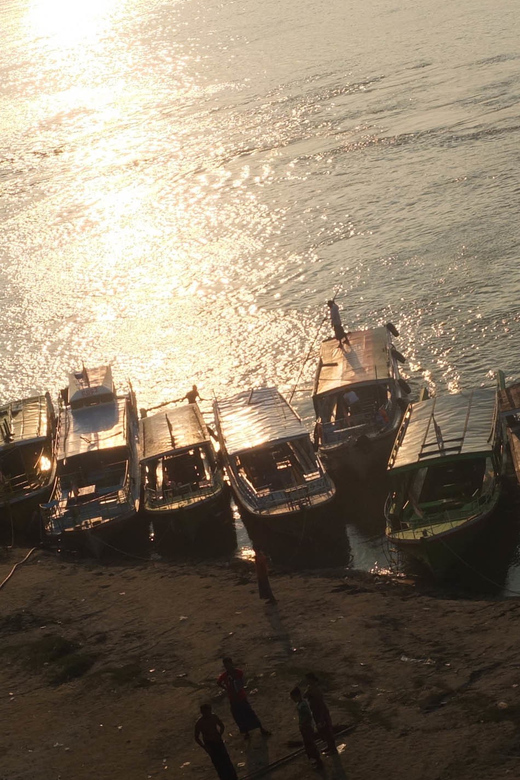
x,y
232,682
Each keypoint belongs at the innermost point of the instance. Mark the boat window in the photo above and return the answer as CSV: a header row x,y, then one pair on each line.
x,y
355,405
105,469
460,480
183,472
281,467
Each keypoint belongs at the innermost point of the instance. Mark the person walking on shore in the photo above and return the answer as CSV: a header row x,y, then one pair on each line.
x,y
320,712
232,682
262,575
306,727
208,734
335,321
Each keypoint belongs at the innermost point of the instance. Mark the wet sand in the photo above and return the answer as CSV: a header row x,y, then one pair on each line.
x,y
103,668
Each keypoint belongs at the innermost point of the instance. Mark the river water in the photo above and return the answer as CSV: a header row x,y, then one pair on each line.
x,y
184,184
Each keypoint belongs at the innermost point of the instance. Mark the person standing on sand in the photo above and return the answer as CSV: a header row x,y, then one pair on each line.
x,y
208,734
335,321
262,575
306,728
320,712
232,682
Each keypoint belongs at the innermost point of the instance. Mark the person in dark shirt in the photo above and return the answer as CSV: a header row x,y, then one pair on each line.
x,y
306,727
335,321
208,734
320,712
232,682
191,396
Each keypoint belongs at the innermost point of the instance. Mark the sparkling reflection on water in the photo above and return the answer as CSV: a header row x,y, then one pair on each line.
x,y
185,184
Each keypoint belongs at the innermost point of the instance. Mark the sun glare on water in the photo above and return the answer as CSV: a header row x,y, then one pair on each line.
x,y
67,22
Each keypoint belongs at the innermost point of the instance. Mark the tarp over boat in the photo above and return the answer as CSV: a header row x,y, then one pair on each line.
x,y
367,360
257,417
24,421
450,425
95,428
170,430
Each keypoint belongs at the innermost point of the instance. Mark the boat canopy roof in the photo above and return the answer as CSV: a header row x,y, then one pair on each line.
x,y
91,386
24,421
94,429
257,417
447,426
366,361
170,430
509,399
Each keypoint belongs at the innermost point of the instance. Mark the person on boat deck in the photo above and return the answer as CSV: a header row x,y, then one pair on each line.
x,y
306,727
191,396
208,734
352,402
262,575
335,321
382,418
320,712
232,682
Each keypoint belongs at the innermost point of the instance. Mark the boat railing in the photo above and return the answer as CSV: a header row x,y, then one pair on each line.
x,y
180,495
436,514
265,498
65,511
21,483
346,428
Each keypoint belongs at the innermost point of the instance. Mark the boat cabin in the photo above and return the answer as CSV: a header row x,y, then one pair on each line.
x,y
178,461
447,459
355,388
268,448
26,445
95,448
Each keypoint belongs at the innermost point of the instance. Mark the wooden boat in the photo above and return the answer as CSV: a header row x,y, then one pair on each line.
x,y
509,406
446,472
275,474
183,486
359,400
27,465
96,496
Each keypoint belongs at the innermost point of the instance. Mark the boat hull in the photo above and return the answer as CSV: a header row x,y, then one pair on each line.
x,y
20,522
189,521
442,553
360,458
306,523
111,535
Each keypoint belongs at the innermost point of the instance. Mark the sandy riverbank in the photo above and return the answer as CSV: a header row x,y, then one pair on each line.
x,y
103,669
